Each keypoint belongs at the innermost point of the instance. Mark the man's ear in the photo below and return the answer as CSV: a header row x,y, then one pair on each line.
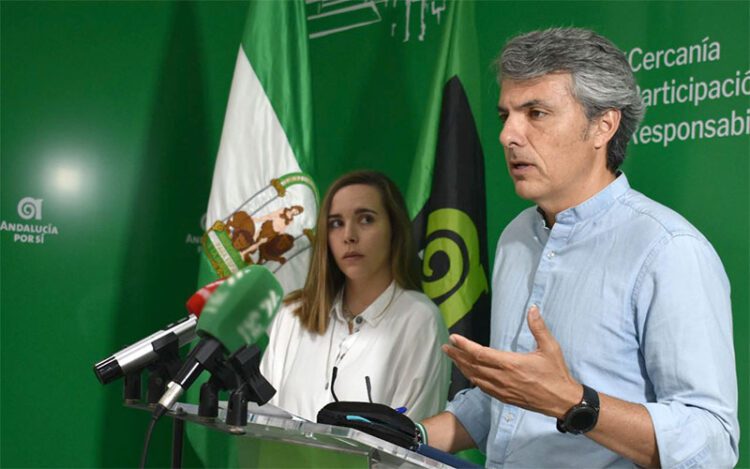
x,y
606,127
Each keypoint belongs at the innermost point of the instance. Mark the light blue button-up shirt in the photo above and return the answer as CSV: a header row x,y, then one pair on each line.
x,y
639,302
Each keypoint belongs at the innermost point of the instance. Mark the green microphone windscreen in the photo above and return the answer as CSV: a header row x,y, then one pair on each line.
x,y
240,310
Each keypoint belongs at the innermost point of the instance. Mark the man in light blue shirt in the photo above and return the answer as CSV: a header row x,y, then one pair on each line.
x,y
611,338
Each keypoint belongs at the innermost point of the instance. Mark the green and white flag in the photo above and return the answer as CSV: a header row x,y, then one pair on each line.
x,y
263,204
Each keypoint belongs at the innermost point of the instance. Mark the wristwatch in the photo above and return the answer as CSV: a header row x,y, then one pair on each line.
x,y
582,417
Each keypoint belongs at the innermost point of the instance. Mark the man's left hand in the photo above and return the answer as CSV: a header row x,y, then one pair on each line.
x,y
537,381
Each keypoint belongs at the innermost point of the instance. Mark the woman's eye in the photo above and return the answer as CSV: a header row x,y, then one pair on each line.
x,y
367,219
334,224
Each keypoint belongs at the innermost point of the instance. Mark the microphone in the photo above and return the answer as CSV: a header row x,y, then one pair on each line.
x,y
236,315
197,301
139,355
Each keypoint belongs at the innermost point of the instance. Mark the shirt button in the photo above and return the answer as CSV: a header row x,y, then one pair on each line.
x,y
358,320
551,254
509,418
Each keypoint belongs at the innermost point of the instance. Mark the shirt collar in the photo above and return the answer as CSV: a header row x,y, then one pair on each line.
x,y
598,203
377,309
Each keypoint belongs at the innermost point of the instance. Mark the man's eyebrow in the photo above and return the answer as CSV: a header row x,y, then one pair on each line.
x,y
526,105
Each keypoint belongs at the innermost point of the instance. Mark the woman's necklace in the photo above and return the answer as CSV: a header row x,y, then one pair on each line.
x,y
349,317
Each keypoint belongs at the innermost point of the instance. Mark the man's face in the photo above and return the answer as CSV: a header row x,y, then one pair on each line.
x,y
550,149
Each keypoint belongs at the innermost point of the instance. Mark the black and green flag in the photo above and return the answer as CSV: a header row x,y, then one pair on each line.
x,y
451,226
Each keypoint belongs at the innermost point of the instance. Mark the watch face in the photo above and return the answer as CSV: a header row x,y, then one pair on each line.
x,y
582,419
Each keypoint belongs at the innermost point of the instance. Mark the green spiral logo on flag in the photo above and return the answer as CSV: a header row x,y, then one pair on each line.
x,y
452,269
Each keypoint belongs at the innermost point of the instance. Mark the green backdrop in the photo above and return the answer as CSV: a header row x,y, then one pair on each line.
x,y
111,114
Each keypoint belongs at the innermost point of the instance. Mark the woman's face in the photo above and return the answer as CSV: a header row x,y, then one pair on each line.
x,y
359,233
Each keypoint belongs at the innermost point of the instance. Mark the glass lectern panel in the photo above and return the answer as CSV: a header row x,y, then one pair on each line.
x,y
274,438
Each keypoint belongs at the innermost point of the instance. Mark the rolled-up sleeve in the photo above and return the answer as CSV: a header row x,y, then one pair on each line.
x,y
472,408
685,320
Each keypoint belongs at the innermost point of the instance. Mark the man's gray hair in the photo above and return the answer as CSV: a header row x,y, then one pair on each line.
x,y
601,76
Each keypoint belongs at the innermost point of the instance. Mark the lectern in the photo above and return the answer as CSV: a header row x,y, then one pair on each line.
x,y
273,438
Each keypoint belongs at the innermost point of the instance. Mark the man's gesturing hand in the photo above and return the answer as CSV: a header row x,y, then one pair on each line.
x,y
537,381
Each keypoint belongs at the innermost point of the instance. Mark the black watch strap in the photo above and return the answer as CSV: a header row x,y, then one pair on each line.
x,y
583,416
590,397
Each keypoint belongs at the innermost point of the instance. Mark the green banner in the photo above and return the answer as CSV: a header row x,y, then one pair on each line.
x,y
111,119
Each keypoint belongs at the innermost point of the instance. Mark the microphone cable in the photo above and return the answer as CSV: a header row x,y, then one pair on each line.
x,y
369,388
149,432
333,380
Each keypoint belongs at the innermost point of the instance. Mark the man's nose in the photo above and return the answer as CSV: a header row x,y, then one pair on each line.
x,y
512,133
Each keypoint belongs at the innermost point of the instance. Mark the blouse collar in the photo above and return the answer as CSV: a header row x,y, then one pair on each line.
x,y
374,313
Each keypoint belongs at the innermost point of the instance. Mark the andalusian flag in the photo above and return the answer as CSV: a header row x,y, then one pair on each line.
x,y
451,225
263,204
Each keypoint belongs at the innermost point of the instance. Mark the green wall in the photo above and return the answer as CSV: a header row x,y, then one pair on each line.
x,y
111,113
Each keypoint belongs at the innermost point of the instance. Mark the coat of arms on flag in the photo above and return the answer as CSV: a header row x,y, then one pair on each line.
x,y
272,227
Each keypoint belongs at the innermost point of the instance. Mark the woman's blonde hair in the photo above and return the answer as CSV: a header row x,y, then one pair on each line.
x,y
325,279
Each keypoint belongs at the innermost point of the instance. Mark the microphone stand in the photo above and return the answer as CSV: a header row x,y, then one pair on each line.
x,y
253,387
239,374
164,368
161,372
222,378
131,387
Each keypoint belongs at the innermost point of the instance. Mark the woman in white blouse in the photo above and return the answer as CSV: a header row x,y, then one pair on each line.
x,y
359,330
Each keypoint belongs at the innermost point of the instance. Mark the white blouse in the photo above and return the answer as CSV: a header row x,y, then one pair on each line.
x,y
395,341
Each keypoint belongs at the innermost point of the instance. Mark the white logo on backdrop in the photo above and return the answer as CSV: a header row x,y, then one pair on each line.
x,y
29,208
195,239
29,233
326,17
